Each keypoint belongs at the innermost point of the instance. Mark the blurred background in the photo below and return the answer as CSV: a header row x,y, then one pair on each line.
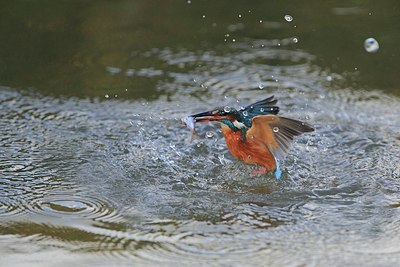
x,y
88,49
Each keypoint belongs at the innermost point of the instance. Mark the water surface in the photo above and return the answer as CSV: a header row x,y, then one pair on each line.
x,y
96,169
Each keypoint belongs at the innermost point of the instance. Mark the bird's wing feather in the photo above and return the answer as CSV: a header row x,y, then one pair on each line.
x,y
276,132
266,106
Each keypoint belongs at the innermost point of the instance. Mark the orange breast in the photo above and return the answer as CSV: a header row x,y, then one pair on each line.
x,y
250,151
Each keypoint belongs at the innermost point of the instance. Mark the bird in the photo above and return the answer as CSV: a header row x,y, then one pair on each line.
x,y
255,134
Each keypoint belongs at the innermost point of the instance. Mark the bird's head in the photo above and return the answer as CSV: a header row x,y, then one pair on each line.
x,y
226,115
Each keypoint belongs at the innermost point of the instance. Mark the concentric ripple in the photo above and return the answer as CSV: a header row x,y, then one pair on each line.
x,y
120,179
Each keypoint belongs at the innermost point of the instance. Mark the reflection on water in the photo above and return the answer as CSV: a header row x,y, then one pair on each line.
x,y
112,179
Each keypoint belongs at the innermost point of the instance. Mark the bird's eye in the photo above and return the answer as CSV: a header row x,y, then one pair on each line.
x,y
227,109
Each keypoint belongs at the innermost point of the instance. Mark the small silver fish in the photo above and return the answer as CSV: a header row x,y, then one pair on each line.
x,y
189,122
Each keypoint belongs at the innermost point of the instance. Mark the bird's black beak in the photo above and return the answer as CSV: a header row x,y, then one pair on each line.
x,y
206,116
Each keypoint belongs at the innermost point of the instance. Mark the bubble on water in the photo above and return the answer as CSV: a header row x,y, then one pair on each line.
x,y
261,86
276,129
209,134
262,109
227,109
295,40
240,15
106,96
329,78
371,45
307,117
288,18
245,113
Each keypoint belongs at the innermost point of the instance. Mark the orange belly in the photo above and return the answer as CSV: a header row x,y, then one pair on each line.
x,y
250,151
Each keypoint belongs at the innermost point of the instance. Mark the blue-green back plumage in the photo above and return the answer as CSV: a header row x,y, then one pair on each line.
x,y
263,107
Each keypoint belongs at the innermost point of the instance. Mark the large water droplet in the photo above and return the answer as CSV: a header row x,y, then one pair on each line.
x,y
227,109
209,134
371,45
276,129
288,18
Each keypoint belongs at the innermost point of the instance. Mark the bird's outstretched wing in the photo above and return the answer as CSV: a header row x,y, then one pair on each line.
x,y
276,132
263,107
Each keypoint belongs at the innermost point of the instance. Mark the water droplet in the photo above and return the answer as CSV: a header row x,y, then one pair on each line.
x,y
371,45
260,21
307,117
233,40
261,86
209,134
106,96
276,129
240,15
245,113
262,109
295,40
204,16
189,2
249,156
227,109
288,18
329,78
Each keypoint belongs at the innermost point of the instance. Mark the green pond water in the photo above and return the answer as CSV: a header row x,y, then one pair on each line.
x,y
96,168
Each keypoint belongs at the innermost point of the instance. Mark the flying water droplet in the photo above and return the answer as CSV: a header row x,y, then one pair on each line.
x,y
209,134
106,96
295,40
227,109
371,45
262,109
245,113
288,18
261,86
275,129
307,117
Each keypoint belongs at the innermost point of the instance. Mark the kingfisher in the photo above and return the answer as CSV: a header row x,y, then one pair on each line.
x,y
255,133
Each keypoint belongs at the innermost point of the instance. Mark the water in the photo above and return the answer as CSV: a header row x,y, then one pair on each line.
x,y
87,179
